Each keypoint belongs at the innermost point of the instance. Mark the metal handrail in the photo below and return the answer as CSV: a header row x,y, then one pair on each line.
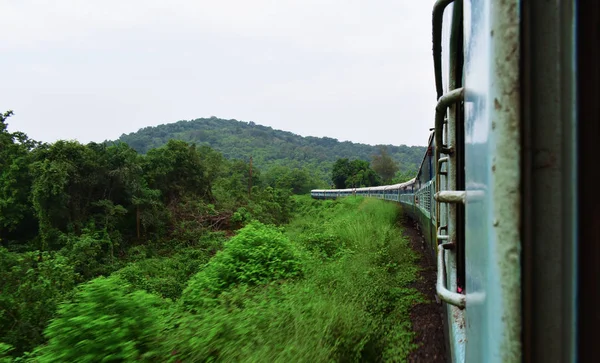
x,y
450,98
446,295
437,17
446,196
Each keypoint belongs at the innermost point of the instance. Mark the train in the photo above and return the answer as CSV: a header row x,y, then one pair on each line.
x,y
505,194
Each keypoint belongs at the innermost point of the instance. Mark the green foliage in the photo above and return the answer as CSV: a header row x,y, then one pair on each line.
x,y
384,165
176,169
256,255
31,286
16,213
298,180
240,216
5,349
166,276
91,253
116,189
65,177
402,177
372,267
353,174
289,322
271,206
106,321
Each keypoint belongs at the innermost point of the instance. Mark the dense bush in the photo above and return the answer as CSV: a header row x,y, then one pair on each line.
x,y
256,255
166,276
31,286
106,321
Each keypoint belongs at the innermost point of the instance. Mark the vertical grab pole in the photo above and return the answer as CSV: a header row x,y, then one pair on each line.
x,y
452,178
437,20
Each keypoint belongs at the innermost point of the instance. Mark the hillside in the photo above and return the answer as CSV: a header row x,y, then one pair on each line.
x,y
268,147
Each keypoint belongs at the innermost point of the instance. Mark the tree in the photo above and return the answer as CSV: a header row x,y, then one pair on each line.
x,y
384,165
340,172
68,178
404,176
353,174
298,180
177,169
17,222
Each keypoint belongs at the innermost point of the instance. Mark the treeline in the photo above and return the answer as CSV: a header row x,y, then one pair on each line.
x,y
70,213
269,147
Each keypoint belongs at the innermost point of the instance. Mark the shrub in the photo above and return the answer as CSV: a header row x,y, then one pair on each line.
x,y
106,321
31,286
166,276
256,255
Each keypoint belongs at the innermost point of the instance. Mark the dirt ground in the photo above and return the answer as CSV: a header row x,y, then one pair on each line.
x,y
426,318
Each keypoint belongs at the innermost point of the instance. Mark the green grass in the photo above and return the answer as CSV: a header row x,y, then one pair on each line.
x,y
372,270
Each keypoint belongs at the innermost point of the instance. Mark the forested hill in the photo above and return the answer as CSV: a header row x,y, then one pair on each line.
x,y
268,147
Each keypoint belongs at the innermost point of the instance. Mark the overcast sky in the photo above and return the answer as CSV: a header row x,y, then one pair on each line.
x,y
91,70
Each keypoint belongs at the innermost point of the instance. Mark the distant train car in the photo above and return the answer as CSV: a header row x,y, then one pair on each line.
x,y
505,194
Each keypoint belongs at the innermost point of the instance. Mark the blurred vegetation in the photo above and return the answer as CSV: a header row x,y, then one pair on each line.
x,y
183,254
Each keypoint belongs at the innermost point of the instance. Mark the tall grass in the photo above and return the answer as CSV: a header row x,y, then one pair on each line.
x,y
372,270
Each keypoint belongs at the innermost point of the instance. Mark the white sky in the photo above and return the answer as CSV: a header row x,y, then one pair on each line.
x,y
91,70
